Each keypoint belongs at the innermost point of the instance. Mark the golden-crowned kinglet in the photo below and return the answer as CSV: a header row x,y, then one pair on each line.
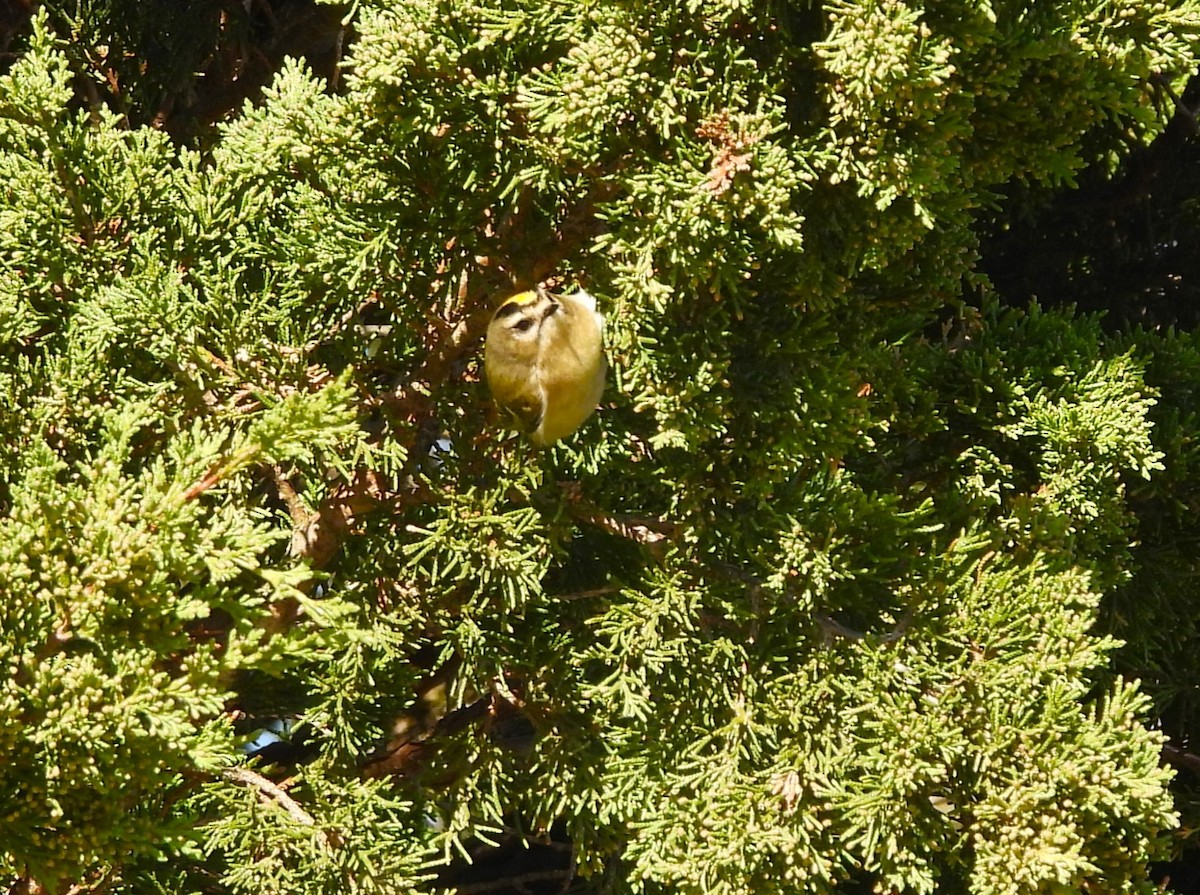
x,y
544,361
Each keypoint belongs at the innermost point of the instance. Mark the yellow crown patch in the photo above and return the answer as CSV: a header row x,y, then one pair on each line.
x,y
521,298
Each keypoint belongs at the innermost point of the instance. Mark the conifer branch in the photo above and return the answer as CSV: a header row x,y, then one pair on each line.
x,y
448,341
771,259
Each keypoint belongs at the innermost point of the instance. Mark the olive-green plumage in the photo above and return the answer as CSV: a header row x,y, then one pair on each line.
x,y
544,361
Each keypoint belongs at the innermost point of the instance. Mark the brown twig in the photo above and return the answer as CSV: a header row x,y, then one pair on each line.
x,y
1183,111
209,479
336,327
587,594
835,629
830,626
271,791
517,882
407,757
653,534
1180,758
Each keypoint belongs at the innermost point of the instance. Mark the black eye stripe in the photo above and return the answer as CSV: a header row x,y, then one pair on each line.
x,y
507,309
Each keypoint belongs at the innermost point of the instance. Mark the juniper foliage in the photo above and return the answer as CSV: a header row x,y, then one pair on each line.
x,y
809,605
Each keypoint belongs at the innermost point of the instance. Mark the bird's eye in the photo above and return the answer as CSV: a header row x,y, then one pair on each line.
x,y
523,324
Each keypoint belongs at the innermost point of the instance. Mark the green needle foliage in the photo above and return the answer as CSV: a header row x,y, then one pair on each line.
x,y
810,605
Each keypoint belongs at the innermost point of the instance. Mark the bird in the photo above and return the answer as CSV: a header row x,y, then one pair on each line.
x,y
544,361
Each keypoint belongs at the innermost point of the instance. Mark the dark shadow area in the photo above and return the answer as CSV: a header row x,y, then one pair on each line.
x,y
1123,243
181,65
